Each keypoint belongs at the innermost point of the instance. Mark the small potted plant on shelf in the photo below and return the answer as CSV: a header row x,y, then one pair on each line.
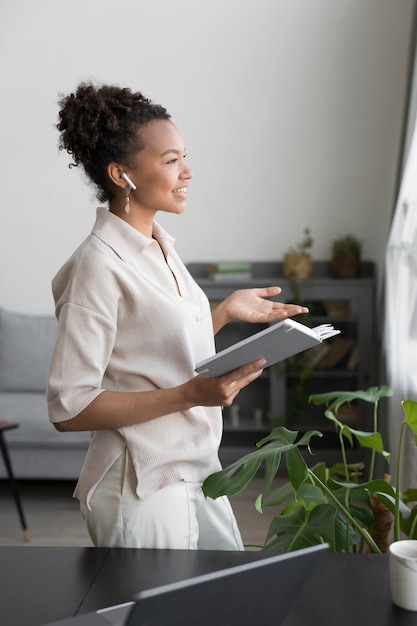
x,y
346,257
334,504
297,261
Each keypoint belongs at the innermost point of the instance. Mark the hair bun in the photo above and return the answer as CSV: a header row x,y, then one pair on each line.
x,y
99,124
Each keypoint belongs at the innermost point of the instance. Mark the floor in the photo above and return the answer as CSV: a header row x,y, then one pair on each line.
x,y
54,519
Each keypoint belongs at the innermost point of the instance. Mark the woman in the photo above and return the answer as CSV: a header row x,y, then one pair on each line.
x,y
132,324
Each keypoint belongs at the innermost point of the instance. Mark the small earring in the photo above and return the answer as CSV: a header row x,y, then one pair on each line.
x,y
127,199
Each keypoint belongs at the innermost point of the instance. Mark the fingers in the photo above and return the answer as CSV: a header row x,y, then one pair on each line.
x,y
280,311
295,309
207,391
268,292
247,370
232,383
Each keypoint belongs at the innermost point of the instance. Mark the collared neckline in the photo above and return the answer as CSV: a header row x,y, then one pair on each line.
x,y
126,241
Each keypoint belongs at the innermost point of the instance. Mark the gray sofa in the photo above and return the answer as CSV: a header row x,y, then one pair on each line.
x,y
37,450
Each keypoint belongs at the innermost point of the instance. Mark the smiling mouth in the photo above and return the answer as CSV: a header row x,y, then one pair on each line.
x,y
181,190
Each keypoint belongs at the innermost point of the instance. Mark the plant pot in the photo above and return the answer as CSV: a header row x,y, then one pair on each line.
x,y
345,266
298,266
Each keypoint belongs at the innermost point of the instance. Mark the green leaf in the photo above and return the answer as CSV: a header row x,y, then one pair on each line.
x,y
311,495
258,503
285,439
389,502
321,470
410,495
356,501
372,440
236,477
297,468
302,528
332,417
306,438
272,464
298,473
278,496
231,480
345,535
280,435
385,491
337,471
337,398
362,513
378,485
410,410
409,525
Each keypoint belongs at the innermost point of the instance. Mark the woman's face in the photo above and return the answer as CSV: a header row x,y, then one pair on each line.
x,y
160,172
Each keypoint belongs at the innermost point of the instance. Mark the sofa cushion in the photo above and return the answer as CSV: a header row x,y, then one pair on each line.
x,y
30,412
26,343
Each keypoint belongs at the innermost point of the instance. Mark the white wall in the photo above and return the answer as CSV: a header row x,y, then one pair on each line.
x,y
291,111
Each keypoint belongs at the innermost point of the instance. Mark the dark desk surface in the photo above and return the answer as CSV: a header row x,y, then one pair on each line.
x,y
43,584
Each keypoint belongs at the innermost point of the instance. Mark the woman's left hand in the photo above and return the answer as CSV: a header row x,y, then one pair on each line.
x,y
253,305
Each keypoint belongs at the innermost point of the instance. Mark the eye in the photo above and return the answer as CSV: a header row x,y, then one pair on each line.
x,y
175,159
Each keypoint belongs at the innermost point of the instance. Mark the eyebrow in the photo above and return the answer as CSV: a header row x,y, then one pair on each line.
x,y
169,151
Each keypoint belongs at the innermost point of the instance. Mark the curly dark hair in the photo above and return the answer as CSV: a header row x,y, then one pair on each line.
x,y
99,125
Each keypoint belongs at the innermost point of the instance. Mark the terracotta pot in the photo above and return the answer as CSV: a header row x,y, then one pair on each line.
x,y
298,266
346,266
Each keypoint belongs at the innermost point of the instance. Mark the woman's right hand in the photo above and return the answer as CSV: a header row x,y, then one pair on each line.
x,y
116,409
207,391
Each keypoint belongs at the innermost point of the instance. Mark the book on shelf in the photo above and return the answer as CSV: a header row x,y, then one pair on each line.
x,y
274,344
339,348
230,271
317,353
353,360
337,308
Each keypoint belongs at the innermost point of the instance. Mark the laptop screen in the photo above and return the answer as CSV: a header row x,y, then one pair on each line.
x,y
254,593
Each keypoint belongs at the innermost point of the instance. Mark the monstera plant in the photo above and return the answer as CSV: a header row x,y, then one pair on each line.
x,y
336,504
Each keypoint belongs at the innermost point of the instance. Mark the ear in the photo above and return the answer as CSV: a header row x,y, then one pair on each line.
x,y
114,172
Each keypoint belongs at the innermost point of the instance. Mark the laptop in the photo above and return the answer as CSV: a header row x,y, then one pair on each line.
x,y
258,592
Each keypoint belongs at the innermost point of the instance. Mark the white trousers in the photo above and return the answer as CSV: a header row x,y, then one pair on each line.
x,y
177,517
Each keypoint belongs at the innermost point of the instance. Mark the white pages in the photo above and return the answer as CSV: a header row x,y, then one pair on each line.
x,y
275,343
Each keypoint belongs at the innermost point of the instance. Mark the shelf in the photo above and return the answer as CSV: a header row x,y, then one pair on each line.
x,y
245,423
334,373
348,304
316,320
275,270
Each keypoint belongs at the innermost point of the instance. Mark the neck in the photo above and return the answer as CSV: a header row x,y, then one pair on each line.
x,y
141,222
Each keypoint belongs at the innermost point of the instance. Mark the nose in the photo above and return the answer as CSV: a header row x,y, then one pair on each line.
x,y
187,173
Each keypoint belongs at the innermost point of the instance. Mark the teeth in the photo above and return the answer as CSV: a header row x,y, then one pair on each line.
x,y
182,190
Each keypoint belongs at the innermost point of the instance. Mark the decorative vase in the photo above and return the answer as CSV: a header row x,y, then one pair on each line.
x,y
345,265
298,266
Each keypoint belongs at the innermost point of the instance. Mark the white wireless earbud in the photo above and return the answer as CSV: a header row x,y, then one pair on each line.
x,y
129,182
